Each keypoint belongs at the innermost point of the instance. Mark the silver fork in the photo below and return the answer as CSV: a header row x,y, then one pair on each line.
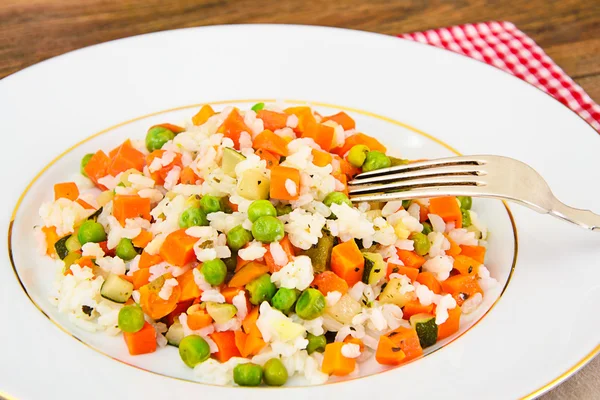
x,y
477,176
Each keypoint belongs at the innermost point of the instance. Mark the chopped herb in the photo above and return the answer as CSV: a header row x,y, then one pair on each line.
x,y
463,296
396,349
392,334
87,310
377,270
470,268
395,269
356,269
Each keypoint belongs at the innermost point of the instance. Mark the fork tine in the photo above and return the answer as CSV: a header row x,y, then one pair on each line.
x,y
425,192
435,181
435,171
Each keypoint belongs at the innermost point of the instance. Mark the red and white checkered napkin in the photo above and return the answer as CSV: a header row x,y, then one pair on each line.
x,y
502,45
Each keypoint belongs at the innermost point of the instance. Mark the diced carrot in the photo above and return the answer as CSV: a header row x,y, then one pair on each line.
x,y
454,248
240,342
189,289
428,279
254,342
85,262
287,248
249,322
173,128
203,115
388,353
178,248
347,262
271,158
142,341
347,168
233,206
141,277
225,341
466,265
97,168
451,325
410,258
160,175
230,292
477,253
233,126
269,141
407,340
127,157
153,305
240,263
343,180
328,281
198,318
335,363
182,307
409,272
67,190
461,287
321,158
248,273
188,176
142,240
51,239
130,206
305,116
85,205
279,176
447,208
321,134
359,138
414,307
353,340
272,120
423,212
147,260
342,119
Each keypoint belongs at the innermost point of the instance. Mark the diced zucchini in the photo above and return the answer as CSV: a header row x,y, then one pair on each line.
x,y
398,161
192,201
253,185
72,243
221,313
375,268
344,310
320,254
392,294
97,213
231,158
61,247
70,260
116,289
174,334
427,329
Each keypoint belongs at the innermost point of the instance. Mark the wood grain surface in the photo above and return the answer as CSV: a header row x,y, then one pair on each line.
x,y
568,30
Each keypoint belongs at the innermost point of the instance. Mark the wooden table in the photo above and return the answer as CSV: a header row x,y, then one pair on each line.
x,y
568,30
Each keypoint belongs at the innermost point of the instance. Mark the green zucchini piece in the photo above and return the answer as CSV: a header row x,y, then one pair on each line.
x,y
116,289
398,161
427,329
375,268
320,254
70,260
96,214
61,247
221,313
72,243
230,159
253,185
174,334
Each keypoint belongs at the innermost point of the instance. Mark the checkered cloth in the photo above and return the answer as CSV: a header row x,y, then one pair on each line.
x,y
502,45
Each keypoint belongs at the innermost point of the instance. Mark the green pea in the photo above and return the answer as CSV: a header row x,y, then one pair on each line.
x,y
427,228
315,343
238,237
358,155
267,229
311,304
336,198
131,319
157,137
193,350
275,373
283,209
248,374
466,218
376,160
214,271
261,289
193,217
125,250
284,299
465,202
261,208
258,106
421,243
210,204
91,231
84,161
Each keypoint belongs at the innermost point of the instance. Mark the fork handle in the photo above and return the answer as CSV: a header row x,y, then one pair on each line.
x,y
584,218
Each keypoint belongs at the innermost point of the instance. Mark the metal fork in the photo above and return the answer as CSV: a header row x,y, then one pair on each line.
x,y
477,176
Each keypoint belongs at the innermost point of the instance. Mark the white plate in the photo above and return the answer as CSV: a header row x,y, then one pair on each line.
x,y
541,329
